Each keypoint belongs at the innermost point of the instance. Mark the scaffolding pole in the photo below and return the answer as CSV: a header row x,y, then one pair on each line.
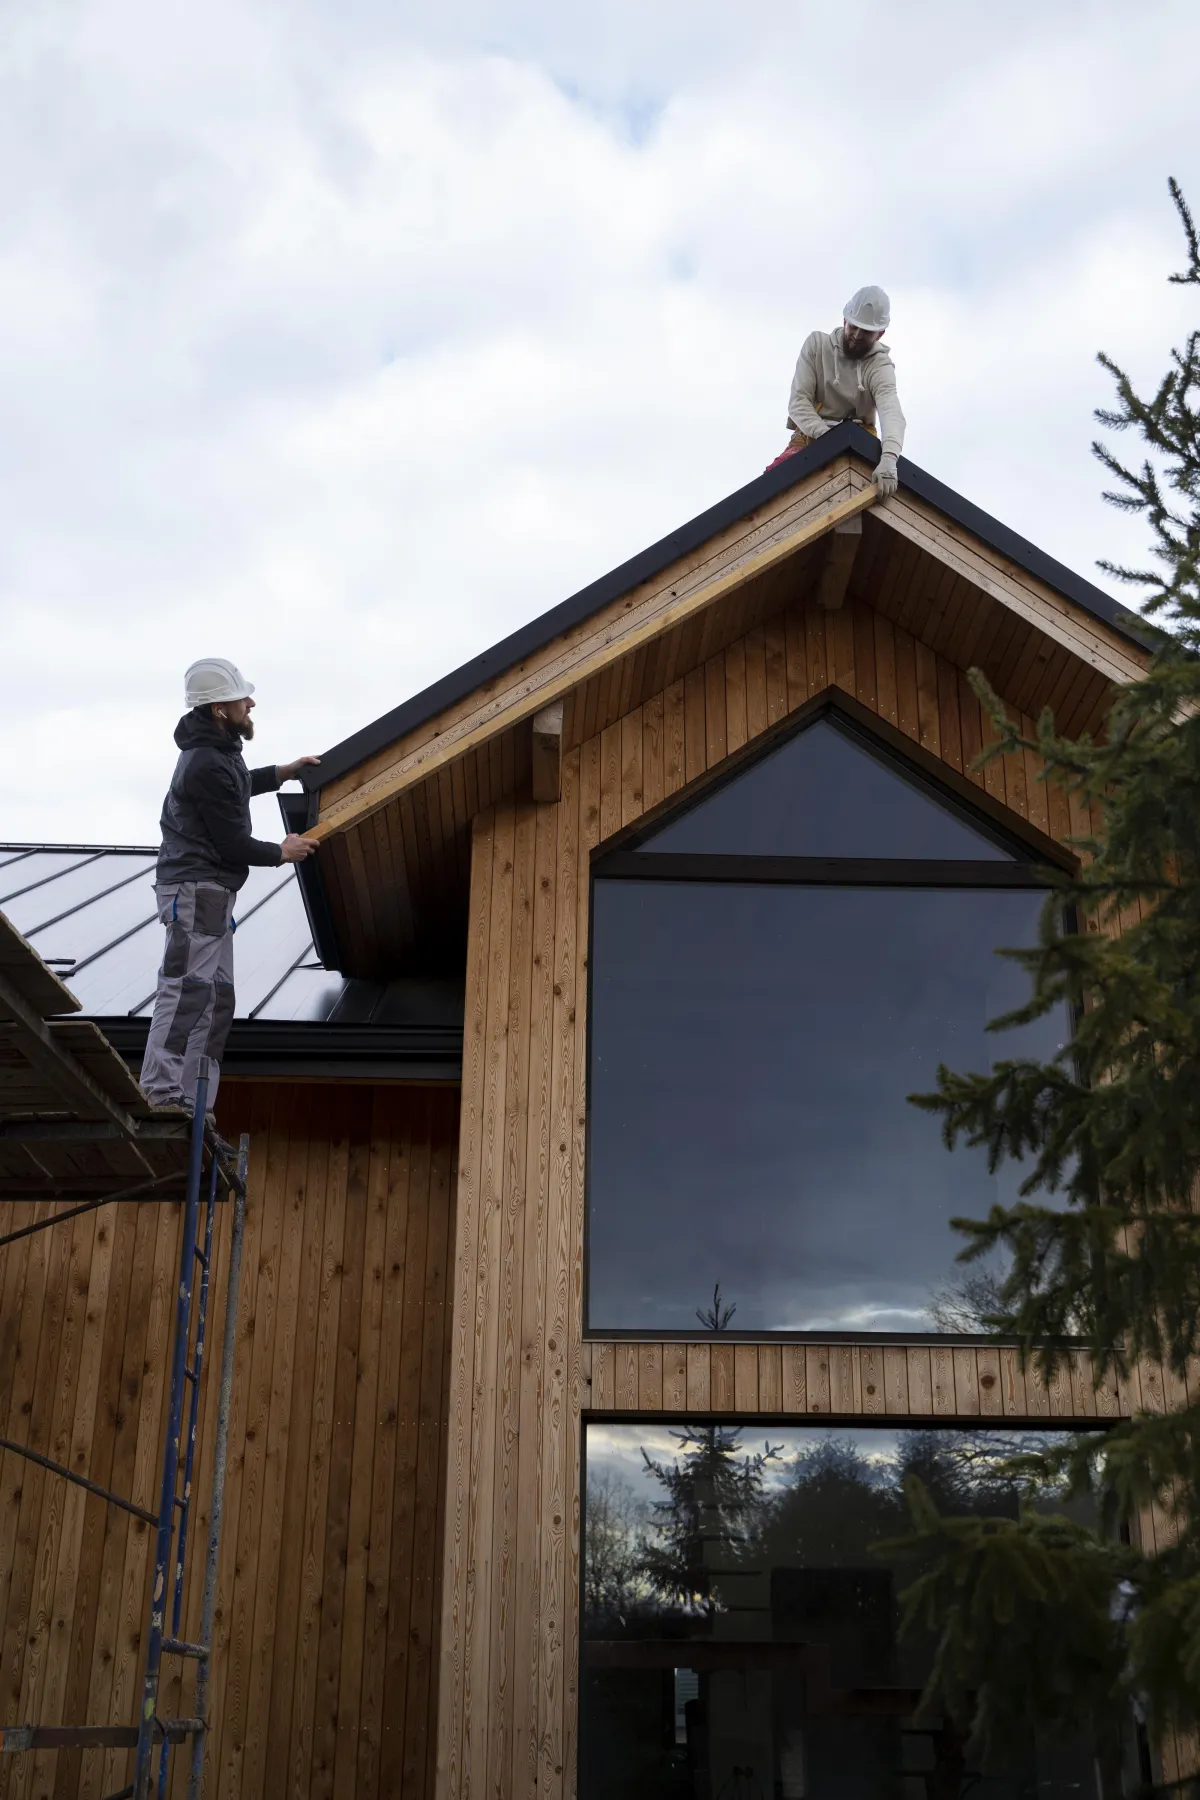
x,y
220,1458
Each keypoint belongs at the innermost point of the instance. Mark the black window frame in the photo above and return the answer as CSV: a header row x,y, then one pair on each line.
x,y
1038,860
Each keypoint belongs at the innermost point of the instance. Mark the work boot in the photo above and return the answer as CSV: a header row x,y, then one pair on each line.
x,y
220,1146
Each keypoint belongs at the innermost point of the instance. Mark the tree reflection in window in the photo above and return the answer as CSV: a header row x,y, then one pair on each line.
x,y
740,1625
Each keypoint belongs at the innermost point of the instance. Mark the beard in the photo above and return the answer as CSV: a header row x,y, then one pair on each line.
x,y
243,730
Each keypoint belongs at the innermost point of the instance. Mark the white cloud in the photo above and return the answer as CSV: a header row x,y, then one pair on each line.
x,y
342,341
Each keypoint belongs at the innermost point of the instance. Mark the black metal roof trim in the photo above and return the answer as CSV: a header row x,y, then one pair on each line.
x,y
297,1043
772,482
82,849
405,1071
299,811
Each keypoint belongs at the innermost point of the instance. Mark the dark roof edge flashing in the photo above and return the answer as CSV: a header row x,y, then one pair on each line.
x,y
83,849
299,812
649,562
298,1041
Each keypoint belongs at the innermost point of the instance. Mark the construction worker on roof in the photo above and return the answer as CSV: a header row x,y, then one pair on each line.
x,y
848,374
207,852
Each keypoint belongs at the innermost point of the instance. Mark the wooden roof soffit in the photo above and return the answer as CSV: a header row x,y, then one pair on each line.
x,y
545,690
1079,633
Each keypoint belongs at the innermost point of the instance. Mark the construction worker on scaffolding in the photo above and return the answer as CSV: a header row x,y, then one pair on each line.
x,y
207,852
848,374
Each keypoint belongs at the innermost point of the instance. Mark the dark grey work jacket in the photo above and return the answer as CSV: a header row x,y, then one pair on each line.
x,y
206,814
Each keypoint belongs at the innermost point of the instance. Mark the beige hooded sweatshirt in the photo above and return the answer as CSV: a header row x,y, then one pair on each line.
x,y
830,386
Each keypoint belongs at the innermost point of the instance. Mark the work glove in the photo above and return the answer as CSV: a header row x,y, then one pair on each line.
x,y
887,479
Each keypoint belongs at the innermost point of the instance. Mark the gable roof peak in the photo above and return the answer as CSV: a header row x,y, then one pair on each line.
x,y
848,438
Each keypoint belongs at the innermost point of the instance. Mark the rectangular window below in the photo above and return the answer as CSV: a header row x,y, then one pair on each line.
x,y
740,1634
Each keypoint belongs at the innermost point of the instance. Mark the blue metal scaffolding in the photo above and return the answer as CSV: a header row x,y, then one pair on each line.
x,y
211,1178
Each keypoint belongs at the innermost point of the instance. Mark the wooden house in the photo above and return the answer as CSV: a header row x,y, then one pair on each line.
x,y
667,901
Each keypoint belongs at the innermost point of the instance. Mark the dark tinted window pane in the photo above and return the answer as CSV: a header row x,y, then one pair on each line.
x,y
730,1592
752,1050
822,793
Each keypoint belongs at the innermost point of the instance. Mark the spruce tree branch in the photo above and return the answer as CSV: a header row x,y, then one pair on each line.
x,y
1192,273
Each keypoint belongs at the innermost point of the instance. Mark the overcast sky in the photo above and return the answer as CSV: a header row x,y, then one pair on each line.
x,y
344,336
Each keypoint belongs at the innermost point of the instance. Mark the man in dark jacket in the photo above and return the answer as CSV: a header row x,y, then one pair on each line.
x,y
206,855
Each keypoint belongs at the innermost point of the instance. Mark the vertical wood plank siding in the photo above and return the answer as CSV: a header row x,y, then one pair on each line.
x,y
324,1680
521,1374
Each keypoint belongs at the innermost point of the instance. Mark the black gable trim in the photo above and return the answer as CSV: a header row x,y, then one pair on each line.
x,y
299,812
541,631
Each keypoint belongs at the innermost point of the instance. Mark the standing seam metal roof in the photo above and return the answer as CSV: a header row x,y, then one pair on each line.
x,y
86,910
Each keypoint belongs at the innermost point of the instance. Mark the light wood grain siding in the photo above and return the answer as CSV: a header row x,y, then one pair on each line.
x,y
511,1558
329,1604
775,1380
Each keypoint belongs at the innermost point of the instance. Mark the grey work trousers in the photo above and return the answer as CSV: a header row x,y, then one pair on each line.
x,y
193,1008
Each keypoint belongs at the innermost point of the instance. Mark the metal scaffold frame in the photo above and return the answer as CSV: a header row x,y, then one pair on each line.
x,y
211,1178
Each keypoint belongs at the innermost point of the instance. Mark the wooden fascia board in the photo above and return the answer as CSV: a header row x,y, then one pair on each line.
x,y
1065,624
620,630
841,553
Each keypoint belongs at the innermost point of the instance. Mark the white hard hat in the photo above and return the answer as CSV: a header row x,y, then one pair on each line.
x,y
212,678
869,309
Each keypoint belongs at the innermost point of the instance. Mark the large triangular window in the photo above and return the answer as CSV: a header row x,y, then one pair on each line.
x,y
826,793
775,965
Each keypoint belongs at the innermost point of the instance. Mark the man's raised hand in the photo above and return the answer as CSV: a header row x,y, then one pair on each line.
x,y
295,848
289,771
887,476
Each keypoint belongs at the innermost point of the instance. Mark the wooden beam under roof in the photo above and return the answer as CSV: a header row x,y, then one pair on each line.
x,y
840,553
547,753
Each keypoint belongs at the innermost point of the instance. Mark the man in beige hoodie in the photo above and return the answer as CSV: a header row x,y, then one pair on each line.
x,y
848,374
